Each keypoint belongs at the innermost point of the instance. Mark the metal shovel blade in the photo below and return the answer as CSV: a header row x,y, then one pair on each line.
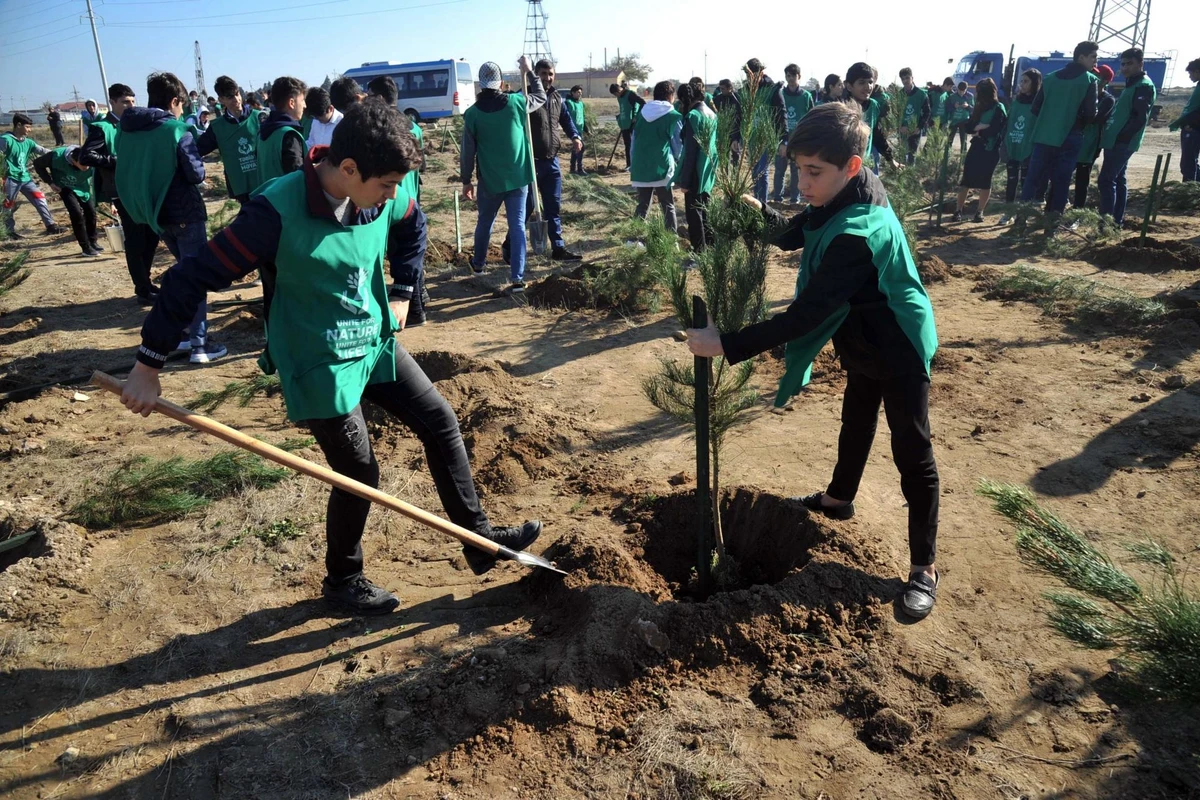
x,y
528,559
539,236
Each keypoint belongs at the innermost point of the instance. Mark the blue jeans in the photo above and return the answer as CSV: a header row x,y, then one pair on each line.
x,y
760,177
1113,191
781,166
549,181
187,239
514,210
1056,164
1190,139
33,194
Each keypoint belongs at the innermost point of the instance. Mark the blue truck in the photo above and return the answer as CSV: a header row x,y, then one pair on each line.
x,y
974,67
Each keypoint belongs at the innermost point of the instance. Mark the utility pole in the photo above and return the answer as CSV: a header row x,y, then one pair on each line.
x,y
199,74
24,103
99,57
75,93
706,70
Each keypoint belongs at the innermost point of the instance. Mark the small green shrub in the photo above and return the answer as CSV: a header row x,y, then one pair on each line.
x,y
1076,299
242,391
13,271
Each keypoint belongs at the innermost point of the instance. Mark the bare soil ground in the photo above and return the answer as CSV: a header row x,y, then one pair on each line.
x,y
192,659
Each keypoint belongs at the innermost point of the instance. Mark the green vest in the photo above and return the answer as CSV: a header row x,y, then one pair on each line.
x,y
704,129
1090,148
306,126
912,108
997,119
412,181
795,106
963,106
146,165
16,156
330,331
898,281
652,160
578,113
870,114
67,176
237,142
1192,105
502,146
1060,107
1020,131
270,153
1121,115
625,110
111,132
937,101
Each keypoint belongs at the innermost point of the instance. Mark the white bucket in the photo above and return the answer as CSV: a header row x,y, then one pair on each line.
x,y
116,238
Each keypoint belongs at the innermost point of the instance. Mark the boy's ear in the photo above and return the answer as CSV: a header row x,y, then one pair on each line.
x,y
854,166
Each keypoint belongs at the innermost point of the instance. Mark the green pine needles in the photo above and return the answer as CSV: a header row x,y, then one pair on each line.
x,y
149,491
1155,627
1077,299
13,271
242,391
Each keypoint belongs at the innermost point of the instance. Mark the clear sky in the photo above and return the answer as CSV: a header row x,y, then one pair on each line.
x,y
46,45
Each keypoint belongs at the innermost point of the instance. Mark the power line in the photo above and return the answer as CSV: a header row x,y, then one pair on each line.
x,y
34,38
42,24
43,10
154,26
237,14
40,47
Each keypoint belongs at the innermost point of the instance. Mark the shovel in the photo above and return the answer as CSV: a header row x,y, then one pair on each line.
x,y
537,228
326,475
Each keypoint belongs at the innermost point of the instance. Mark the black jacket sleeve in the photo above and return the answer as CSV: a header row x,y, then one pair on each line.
x,y
407,242
41,165
687,167
1138,115
250,241
880,140
94,152
1038,100
1089,106
292,153
845,268
207,141
788,233
1192,120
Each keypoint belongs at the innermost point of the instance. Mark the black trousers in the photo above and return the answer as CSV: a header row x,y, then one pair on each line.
x,y
56,131
906,405
83,218
1083,176
1017,170
695,205
414,400
140,243
627,137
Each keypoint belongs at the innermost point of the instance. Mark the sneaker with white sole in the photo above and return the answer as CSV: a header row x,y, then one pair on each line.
x,y
207,353
184,344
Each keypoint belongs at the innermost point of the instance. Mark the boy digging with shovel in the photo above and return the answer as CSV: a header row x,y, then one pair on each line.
x,y
323,231
858,285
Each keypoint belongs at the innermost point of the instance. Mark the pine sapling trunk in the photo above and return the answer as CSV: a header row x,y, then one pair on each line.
x,y
718,528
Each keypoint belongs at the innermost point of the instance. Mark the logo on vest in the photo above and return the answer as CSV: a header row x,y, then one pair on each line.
x,y
910,110
245,146
358,301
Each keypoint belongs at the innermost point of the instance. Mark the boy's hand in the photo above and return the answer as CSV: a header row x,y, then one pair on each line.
x,y
752,201
142,390
400,309
577,144
705,342
469,191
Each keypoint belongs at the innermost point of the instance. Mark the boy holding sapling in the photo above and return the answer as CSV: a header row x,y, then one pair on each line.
x,y
857,285
330,328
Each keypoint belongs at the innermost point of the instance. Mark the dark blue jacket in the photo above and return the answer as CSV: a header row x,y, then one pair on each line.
x,y
183,202
95,154
251,242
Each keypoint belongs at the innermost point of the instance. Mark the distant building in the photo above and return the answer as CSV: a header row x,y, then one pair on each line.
x,y
70,113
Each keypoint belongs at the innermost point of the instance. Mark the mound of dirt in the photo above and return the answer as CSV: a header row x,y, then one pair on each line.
x,y
933,269
509,435
36,573
1152,255
561,290
441,253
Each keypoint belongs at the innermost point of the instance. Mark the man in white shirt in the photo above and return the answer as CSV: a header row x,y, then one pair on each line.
x,y
324,117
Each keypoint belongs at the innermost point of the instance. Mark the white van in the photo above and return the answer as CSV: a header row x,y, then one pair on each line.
x,y
428,89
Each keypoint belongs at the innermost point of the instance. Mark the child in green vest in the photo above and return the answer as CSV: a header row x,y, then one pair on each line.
x,y
698,169
796,103
1188,125
656,150
61,170
578,113
281,147
1066,104
1123,133
918,113
1089,151
857,285
628,107
496,141
18,149
697,83
326,232
1019,137
159,173
987,124
860,86
960,104
234,135
99,152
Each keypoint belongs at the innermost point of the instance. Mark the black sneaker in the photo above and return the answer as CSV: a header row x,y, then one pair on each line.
x,y
957,217
96,246
477,270
813,503
416,320
147,300
919,595
516,287
563,254
53,230
15,235
89,253
977,218
516,538
359,595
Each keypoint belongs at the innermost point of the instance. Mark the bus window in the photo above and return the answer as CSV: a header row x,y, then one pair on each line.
x,y
424,83
983,67
464,72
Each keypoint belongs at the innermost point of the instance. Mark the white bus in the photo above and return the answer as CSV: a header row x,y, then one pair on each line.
x,y
428,89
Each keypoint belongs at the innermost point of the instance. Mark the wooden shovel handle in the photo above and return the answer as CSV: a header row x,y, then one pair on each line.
x,y
292,461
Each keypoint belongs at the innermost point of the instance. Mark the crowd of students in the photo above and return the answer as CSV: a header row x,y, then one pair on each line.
x,y
329,187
